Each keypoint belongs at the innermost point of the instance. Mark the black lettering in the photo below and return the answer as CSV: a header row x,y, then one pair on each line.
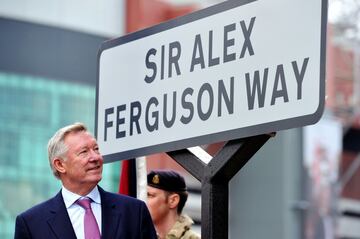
x,y
187,105
257,89
108,123
282,92
197,48
228,42
229,100
119,121
162,62
169,123
247,32
205,115
299,76
150,65
174,59
155,115
212,61
134,118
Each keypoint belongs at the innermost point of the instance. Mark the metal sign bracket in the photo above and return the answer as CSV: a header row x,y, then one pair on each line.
x,y
215,177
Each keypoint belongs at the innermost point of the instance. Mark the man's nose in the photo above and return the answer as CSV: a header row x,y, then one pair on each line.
x,y
95,155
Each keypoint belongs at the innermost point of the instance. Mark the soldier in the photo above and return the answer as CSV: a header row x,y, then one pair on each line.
x,y
167,195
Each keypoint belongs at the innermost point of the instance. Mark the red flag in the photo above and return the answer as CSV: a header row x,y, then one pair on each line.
x,y
128,181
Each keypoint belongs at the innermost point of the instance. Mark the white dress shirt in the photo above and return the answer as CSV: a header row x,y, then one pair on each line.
x,y
77,213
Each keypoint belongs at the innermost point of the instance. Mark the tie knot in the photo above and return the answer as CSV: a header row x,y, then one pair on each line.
x,y
84,203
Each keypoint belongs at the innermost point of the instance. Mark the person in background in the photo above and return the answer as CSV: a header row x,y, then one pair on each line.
x,y
82,209
167,195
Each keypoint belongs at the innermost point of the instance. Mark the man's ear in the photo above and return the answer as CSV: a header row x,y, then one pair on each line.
x,y
59,165
174,200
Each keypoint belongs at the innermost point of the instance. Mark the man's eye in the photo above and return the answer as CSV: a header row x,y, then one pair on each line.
x,y
83,152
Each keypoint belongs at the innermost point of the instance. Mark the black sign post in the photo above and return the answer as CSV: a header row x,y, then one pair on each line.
x,y
215,177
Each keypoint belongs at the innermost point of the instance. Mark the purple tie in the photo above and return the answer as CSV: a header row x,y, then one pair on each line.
x,y
91,228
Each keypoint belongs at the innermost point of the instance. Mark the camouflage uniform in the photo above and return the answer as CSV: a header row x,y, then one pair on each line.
x,y
181,229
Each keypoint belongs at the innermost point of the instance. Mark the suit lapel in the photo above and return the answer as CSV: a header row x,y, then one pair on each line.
x,y
60,223
110,216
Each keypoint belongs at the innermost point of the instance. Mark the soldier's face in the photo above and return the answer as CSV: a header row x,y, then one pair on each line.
x,y
157,202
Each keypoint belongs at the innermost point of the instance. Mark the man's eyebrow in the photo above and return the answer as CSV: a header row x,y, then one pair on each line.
x,y
79,149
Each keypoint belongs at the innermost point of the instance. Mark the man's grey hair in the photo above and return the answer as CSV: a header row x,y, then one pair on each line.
x,y
56,145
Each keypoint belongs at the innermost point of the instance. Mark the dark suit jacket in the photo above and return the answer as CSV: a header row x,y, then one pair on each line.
x,y
122,218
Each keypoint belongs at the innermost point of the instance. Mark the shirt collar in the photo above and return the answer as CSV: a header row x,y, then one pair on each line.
x,y
70,198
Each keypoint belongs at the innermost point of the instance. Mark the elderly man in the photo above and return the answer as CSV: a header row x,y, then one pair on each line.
x,y
82,209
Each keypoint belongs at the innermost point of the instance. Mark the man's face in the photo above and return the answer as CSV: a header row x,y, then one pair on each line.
x,y
83,163
157,202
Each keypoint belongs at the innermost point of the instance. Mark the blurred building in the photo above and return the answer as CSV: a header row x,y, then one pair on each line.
x,y
343,89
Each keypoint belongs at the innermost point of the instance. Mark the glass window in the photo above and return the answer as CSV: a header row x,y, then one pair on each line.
x,y
32,109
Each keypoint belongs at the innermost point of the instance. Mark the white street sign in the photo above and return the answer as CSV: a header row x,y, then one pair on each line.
x,y
236,69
